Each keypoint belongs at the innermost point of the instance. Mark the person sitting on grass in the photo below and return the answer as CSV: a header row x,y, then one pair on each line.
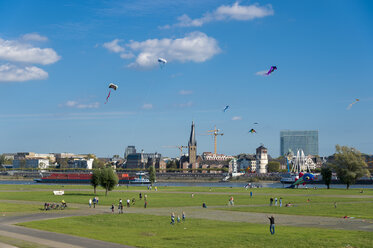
x,y
204,205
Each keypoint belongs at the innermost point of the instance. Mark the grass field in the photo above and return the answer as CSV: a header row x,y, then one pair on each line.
x,y
13,207
156,231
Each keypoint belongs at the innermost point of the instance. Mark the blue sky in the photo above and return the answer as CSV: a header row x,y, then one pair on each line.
x,y
58,57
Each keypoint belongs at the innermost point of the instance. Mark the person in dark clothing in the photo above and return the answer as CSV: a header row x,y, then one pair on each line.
x,y
270,202
140,196
272,224
204,205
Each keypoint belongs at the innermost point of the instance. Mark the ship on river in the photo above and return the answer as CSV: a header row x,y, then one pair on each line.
x,y
85,178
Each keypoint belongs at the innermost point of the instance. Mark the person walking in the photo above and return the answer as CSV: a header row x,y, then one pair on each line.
x,y
270,202
276,201
112,208
280,202
172,218
140,196
94,202
178,219
128,203
145,203
183,216
251,194
90,202
272,224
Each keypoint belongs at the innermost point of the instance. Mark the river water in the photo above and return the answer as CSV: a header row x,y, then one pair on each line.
x,y
214,184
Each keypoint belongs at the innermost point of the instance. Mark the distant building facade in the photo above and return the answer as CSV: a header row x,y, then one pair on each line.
x,y
81,163
261,159
32,163
129,150
308,141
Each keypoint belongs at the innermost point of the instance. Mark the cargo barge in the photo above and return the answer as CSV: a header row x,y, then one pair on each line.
x,y
85,178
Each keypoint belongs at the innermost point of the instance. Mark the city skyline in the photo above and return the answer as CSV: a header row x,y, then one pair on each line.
x,y
57,60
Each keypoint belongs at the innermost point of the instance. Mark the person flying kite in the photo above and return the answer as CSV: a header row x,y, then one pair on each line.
x,y
226,108
111,86
273,68
162,62
350,106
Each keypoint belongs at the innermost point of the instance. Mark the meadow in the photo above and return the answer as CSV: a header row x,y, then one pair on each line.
x,y
156,231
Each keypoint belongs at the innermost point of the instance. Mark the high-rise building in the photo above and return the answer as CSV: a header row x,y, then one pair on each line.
x,y
129,150
308,141
192,146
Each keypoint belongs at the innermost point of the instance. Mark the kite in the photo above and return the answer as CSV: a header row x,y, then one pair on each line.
x,y
225,109
252,131
273,68
111,86
162,62
356,101
255,123
303,179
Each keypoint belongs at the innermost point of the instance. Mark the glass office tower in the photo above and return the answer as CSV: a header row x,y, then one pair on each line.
x,y
308,141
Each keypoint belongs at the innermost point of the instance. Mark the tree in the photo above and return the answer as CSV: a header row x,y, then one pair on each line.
x,y
349,165
273,166
152,176
108,179
98,163
95,180
326,173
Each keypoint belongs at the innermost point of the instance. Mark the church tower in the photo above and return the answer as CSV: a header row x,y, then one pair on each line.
x,y
261,159
192,146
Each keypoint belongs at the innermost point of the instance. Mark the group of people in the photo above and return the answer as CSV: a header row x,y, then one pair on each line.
x,y
178,218
50,206
275,200
94,202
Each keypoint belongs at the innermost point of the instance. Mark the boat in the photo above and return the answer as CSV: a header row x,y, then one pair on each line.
x,y
85,178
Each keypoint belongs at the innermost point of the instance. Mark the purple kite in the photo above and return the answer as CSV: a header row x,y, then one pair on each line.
x,y
273,68
111,86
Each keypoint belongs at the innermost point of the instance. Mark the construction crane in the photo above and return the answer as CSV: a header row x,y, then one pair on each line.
x,y
179,147
216,133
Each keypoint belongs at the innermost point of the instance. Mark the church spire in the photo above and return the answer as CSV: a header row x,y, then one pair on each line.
x,y
192,145
192,139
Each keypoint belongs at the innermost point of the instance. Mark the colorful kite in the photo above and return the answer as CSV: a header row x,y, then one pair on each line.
x,y
162,62
225,109
252,131
303,179
111,86
273,68
356,101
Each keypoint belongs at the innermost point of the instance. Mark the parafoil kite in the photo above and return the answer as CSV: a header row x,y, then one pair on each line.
x,y
252,130
225,109
162,62
111,86
303,179
356,101
273,68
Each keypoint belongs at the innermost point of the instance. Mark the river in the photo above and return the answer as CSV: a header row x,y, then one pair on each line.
x,y
213,184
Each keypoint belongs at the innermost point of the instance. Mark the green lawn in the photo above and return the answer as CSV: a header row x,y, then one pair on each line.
x,y
156,231
358,209
13,207
164,199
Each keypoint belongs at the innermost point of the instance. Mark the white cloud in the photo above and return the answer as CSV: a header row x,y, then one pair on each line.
x,y
75,104
195,47
34,37
147,106
20,52
127,55
226,12
113,46
236,118
12,73
185,105
185,92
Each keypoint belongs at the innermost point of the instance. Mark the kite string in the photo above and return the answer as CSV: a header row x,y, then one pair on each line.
x,y
107,98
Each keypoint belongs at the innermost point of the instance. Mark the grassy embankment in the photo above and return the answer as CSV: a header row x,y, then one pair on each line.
x,y
349,202
156,231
